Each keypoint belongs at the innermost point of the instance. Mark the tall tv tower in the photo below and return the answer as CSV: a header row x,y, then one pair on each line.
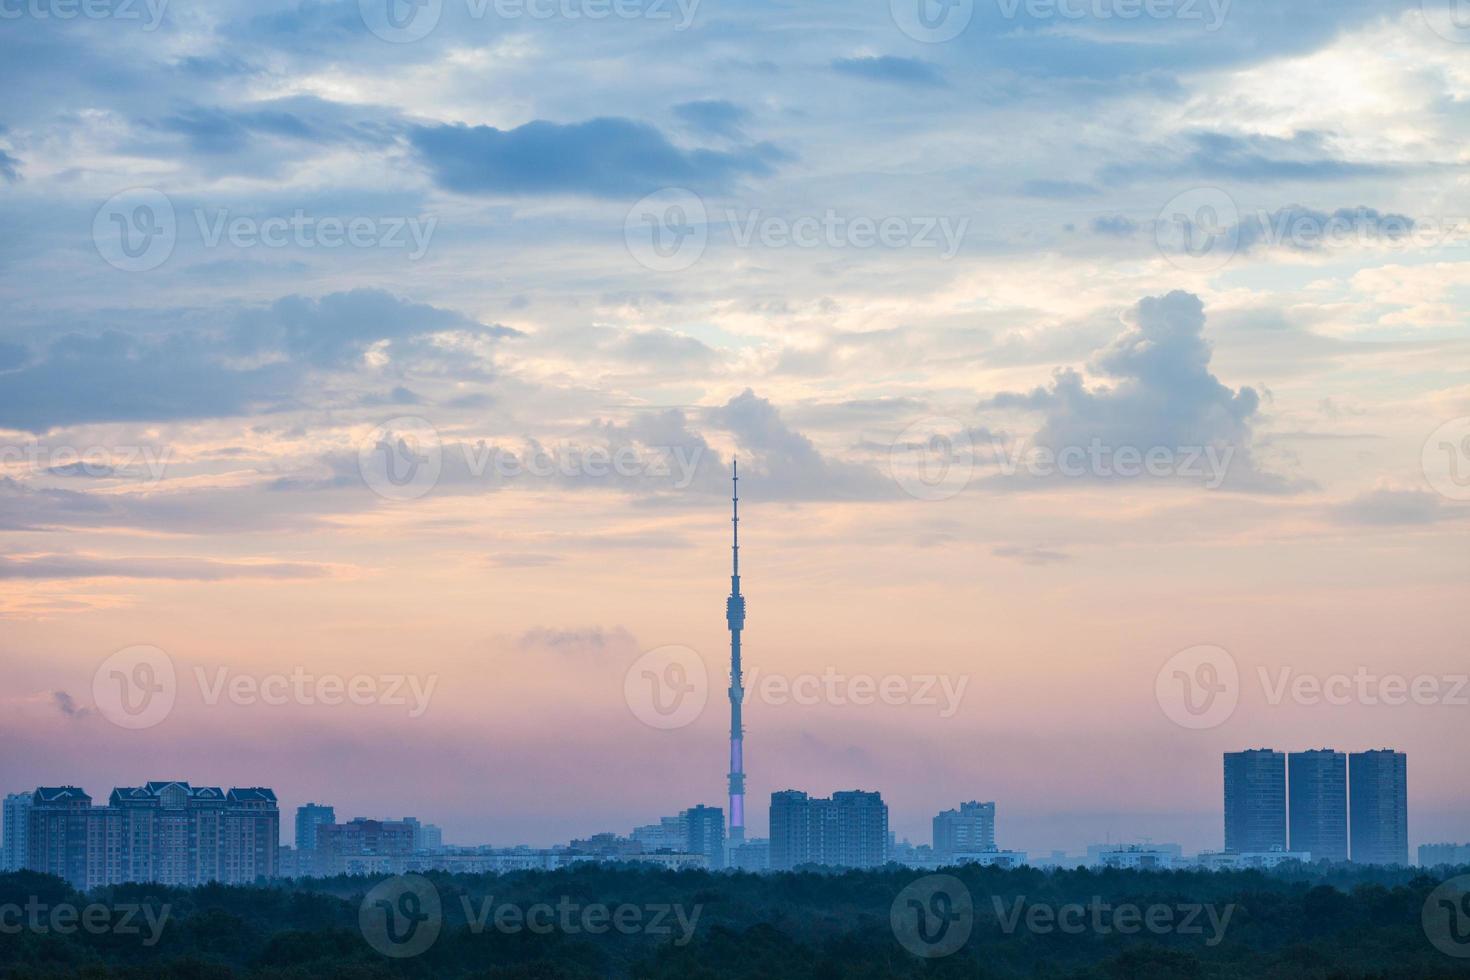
x,y
735,617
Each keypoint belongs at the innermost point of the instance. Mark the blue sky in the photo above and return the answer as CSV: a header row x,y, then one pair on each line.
x,y
244,235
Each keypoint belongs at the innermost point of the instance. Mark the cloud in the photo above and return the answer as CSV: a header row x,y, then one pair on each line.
x,y
605,157
1031,555
1304,156
716,116
1115,225
593,640
9,167
68,706
82,468
259,362
113,376
790,464
1307,229
1163,396
1388,507
71,566
888,68
336,329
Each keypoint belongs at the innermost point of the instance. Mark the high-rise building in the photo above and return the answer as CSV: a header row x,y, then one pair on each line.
x,y
791,830
704,833
56,833
1255,801
735,620
1378,803
1317,795
849,830
968,830
166,832
16,821
308,819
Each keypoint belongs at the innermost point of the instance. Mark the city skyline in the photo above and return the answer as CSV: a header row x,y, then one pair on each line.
x,y
424,360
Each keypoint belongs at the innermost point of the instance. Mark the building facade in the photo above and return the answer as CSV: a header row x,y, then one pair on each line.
x,y
968,830
847,830
1255,801
1317,795
16,819
171,833
308,818
362,846
704,833
1378,796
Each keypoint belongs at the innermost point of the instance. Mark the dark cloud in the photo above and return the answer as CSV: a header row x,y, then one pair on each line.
x,y
118,377
82,468
888,68
606,157
1115,225
336,329
1304,156
68,706
1307,229
715,116
260,363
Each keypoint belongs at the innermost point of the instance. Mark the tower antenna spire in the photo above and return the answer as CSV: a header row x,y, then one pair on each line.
x,y
735,619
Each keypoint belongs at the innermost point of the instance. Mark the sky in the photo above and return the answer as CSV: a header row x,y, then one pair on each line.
x,y
371,372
